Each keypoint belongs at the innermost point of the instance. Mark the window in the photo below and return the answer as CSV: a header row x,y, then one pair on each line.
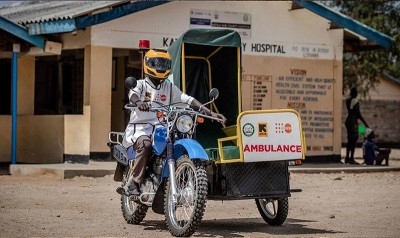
x,y
59,83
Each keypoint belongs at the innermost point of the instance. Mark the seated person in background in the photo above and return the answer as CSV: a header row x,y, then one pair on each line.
x,y
371,152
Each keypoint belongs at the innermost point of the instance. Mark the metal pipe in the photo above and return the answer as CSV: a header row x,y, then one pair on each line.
x,y
14,104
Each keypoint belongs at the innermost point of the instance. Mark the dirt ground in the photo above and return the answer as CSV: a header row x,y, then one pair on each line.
x,y
330,205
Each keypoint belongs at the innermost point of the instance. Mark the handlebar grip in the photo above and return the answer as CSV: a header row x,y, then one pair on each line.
x,y
130,106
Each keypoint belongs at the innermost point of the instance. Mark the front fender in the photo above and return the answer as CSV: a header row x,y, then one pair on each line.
x,y
193,148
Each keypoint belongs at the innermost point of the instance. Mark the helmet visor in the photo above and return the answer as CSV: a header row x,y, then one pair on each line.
x,y
159,64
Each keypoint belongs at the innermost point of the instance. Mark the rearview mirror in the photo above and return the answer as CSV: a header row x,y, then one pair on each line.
x,y
214,93
130,82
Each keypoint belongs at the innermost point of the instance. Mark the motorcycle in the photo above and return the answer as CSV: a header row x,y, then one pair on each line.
x,y
175,182
245,157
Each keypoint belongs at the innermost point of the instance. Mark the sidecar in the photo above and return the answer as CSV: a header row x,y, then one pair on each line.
x,y
250,154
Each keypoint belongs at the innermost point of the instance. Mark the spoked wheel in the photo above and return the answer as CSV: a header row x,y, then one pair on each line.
x,y
184,215
273,211
133,212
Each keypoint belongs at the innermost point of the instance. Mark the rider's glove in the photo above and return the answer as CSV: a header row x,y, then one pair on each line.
x,y
143,106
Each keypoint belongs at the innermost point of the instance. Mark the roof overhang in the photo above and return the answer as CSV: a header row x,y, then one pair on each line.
x,y
21,33
82,22
50,27
357,36
387,76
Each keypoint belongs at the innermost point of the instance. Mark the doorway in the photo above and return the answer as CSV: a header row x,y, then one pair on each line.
x,y
126,63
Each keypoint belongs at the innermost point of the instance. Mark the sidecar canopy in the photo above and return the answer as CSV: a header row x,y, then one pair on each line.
x,y
209,58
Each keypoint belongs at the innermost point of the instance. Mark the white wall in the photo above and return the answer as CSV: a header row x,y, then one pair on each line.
x,y
270,22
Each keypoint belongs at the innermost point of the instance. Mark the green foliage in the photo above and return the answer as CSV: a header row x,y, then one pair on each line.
x,y
362,67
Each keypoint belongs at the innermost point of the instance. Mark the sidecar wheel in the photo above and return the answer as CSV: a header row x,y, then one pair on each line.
x,y
133,212
184,216
273,211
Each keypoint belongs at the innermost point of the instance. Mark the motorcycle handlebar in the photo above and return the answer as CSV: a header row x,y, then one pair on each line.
x,y
130,106
156,109
212,118
151,109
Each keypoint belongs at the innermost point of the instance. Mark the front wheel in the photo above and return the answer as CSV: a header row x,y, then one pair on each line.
x,y
132,212
184,215
273,211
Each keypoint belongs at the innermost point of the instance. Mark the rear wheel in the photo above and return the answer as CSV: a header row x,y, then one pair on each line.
x,y
273,211
184,215
133,212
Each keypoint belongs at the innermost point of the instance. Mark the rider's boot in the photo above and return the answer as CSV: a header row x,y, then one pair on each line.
x,y
135,193
130,190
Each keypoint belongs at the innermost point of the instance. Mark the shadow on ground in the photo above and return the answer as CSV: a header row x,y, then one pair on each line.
x,y
237,227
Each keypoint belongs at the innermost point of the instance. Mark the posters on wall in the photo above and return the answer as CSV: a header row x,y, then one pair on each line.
x,y
281,83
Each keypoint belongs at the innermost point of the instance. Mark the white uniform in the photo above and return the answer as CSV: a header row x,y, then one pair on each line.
x,y
142,123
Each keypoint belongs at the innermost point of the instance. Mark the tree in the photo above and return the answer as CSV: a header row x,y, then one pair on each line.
x,y
362,67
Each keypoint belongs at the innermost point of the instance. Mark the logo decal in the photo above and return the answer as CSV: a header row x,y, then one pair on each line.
x,y
281,128
163,98
288,128
262,130
248,129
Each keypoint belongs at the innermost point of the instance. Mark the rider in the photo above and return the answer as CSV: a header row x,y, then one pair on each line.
x,y
153,88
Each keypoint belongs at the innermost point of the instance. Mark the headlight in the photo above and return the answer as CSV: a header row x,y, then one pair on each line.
x,y
184,123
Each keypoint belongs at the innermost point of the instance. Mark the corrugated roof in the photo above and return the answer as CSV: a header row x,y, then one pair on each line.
x,y
17,35
48,17
27,12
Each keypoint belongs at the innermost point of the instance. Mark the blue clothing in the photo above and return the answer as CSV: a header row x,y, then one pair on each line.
x,y
370,151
